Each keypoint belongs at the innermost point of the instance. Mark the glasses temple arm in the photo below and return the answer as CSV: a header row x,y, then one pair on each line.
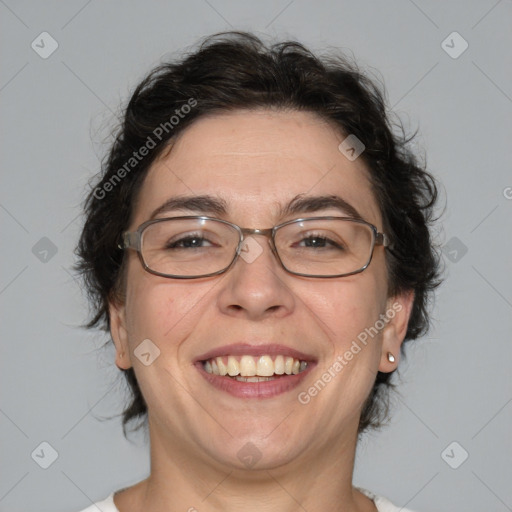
x,y
129,240
382,239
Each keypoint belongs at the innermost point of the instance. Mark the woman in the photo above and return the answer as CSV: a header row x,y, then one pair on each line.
x,y
258,247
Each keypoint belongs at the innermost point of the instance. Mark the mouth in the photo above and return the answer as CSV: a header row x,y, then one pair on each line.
x,y
254,371
247,368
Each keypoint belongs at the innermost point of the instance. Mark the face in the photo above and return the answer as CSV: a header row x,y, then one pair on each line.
x,y
254,164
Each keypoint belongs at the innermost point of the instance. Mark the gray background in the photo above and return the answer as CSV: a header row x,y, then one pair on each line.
x,y
56,381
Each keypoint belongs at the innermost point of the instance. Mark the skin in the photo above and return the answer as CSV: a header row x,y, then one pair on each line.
x,y
255,161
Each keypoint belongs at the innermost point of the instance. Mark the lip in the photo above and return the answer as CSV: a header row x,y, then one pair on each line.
x,y
262,390
265,389
240,349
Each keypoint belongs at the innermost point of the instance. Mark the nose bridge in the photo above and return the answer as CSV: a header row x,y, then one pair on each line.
x,y
266,232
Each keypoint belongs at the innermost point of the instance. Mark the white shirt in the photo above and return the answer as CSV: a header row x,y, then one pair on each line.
x,y
382,504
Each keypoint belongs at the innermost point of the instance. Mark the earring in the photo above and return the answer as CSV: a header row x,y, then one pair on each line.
x,y
391,357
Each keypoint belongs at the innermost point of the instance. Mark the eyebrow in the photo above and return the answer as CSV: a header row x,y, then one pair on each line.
x,y
312,204
205,204
299,204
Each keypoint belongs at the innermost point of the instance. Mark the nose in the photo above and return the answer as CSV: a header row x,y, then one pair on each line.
x,y
256,287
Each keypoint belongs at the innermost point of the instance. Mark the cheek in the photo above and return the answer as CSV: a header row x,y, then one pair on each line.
x,y
161,309
348,306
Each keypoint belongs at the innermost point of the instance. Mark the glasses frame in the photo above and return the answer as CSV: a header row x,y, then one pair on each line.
x,y
133,240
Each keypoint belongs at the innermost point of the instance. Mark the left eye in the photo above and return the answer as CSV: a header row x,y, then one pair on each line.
x,y
319,242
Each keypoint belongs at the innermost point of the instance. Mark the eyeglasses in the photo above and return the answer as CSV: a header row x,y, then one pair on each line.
x,y
196,246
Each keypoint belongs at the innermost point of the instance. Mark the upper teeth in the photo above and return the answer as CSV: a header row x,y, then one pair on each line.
x,y
249,366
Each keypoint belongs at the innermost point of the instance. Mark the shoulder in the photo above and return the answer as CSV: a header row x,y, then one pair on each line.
x,y
383,504
106,505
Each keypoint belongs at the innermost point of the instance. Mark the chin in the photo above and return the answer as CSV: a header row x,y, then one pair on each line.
x,y
250,451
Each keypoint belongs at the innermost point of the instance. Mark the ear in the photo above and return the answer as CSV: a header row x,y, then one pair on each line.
x,y
119,333
398,312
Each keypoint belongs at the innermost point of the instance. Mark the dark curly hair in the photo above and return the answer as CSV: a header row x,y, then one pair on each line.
x,y
233,71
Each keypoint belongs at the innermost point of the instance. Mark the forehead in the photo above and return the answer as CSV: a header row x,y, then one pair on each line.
x,y
257,162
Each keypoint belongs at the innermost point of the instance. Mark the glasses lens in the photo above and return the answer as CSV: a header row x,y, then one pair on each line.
x,y
322,247
188,247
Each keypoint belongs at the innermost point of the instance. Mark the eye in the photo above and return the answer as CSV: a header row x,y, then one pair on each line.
x,y
189,241
314,241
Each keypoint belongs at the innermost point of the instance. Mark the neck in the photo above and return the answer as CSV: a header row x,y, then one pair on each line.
x,y
321,480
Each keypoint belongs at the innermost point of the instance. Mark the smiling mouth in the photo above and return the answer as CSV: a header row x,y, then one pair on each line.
x,y
247,368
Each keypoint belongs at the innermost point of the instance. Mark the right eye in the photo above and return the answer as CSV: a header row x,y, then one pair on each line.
x,y
190,241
